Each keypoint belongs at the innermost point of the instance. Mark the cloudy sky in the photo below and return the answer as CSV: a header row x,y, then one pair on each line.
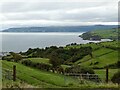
x,y
57,12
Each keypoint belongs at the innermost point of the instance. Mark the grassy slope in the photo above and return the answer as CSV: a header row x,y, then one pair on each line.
x,y
39,60
36,78
102,73
40,78
97,53
103,57
106,33
93,45
44,60
112,44
96,46
45,79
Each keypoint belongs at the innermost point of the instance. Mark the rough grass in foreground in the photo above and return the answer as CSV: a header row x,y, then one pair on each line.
x,y
35,76
28,77
102,73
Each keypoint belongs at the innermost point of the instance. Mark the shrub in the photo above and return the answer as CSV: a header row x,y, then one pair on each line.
x,y
41,66
87,73
70,84
116,78
7,58
86,70
79,69
16,57
91,63
118,64
54,60
97,67
114,65
96,63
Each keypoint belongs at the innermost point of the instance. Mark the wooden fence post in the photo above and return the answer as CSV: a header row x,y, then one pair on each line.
x,y
14,72
107,73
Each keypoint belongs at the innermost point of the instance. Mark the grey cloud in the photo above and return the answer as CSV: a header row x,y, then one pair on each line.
x,y
70,12
37,6
93,14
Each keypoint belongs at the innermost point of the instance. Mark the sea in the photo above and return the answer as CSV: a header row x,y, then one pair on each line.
x,y
17,42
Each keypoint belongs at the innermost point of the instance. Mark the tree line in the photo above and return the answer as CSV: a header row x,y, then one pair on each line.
x,y
61,54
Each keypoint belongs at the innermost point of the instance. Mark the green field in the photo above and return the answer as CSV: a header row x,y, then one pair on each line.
x,y
103,54
111,33
34,78
112,44
44,60
39,78
103,34
39,60
102,73
100,59
103,60
93,45
98,53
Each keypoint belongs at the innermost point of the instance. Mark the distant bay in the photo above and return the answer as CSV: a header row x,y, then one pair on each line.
x,y
22,41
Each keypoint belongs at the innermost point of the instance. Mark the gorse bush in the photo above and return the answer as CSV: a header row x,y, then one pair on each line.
x,y
114,65
79,69
116,78
87,73
40,66
10,58
16,57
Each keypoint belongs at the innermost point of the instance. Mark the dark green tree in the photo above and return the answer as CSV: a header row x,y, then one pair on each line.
x,y
54,60
16,57
116,78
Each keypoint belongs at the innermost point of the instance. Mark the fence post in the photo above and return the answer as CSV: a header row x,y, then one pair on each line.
x,y
14,72
107,72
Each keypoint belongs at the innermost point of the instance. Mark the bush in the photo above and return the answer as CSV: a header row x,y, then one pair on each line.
x,y
114,65
16,57
84,71
97,67
79,69
8,58
96,63
55,60
116,78
118,64
91,63
40,66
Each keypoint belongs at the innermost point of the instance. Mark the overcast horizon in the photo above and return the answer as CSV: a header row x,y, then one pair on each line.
x,y
57,13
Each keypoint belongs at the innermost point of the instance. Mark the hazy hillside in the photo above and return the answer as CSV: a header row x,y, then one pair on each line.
x,y
103,34
60,29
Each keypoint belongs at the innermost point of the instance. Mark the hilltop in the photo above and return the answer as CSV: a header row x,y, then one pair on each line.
x,y
60,28
101,34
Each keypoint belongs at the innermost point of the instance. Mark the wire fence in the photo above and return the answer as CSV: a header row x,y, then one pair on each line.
x,y
97,78
90,77
7,74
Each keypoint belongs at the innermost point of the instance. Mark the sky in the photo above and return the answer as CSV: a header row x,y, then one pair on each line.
x,y
22,13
